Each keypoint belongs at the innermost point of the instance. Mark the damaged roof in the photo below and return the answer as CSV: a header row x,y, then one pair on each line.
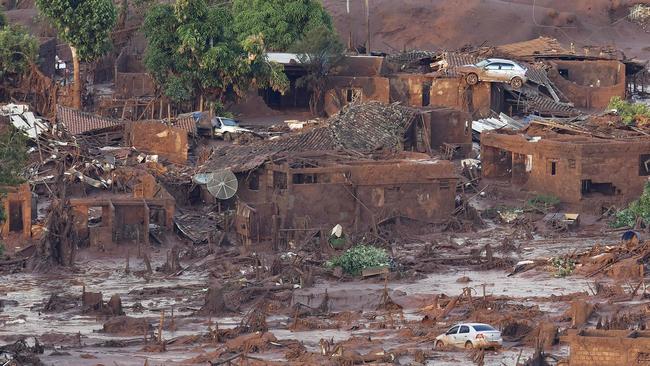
x,y
360,127
539,47
78,122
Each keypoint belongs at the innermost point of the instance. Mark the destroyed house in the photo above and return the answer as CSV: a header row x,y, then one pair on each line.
x,y
589,77
596,347
354,79
313,192
422,79
587,164
367,127
17,209
103,219
432,78
314,175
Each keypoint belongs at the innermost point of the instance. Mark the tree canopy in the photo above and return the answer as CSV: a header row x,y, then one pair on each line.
x,y
84,24
193,50
17,51
282,22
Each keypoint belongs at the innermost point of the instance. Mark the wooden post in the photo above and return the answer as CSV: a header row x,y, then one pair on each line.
x,y
368,27
160,328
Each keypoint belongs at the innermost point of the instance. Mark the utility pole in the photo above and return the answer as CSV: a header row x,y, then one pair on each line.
x,y
350,43
368,27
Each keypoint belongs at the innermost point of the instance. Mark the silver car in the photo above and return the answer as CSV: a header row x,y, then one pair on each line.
x,y
470,335
495,70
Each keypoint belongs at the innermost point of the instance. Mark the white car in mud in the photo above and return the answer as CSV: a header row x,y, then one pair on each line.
x,y
223,127
470,335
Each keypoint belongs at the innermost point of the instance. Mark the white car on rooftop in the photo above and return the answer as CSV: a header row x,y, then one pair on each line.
x,y
470,335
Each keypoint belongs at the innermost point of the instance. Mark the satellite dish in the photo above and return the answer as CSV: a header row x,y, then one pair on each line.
x,y
223,184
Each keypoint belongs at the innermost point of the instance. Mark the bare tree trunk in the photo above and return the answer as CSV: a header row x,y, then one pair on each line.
x,y
76,85
124,12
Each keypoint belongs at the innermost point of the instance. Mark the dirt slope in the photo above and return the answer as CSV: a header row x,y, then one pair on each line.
x,y
432,24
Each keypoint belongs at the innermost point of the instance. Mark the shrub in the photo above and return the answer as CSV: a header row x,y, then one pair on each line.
x,y
637,209
543,202
563,266
629,112
358,258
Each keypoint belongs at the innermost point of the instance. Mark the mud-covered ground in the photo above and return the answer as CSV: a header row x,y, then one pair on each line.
x,y
274,314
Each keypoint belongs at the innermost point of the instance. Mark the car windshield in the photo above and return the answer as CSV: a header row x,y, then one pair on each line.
x,y
229,122
483,63
483,328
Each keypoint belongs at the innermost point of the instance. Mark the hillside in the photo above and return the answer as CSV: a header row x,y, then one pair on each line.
x,y
431,24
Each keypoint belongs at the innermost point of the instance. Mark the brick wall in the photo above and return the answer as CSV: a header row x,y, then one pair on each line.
x,y
608,348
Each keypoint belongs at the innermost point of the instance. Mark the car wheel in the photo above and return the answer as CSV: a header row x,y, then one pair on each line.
x,y
516,82
472,79
438,344
227,136
469,345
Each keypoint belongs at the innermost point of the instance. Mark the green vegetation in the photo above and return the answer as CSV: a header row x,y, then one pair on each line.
x,y
543,202
629,112
3,19
281,22
358,258
563,266
86,25
639,209
17,51
319,50
13,156
194,52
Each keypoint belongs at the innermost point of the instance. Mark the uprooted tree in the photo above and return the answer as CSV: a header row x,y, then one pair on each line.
x,y
319,51
195,54
281,22
86,26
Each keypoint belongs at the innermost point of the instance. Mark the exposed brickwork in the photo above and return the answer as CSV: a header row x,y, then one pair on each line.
x,y
608,348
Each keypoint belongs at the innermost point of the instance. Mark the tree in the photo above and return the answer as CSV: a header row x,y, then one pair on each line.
x,y
86,26
282,22
194,52
319,51
3,19
18,50
13,155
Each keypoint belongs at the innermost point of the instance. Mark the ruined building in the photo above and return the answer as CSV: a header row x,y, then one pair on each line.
x,y
608,347
17,209
104,219
354,172
578,163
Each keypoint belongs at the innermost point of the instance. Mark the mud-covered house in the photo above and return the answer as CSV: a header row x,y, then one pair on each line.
x,y
360,170
316,191
585,167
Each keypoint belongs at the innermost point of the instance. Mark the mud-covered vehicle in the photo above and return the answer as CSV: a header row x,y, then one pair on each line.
x,y
221,127
495,70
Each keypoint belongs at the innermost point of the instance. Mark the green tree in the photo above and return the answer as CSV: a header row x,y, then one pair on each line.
x,y
18,50
86,26
194,52
319,51
13,156
282,22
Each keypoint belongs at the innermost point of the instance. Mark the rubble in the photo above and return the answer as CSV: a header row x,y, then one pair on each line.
x,y
126,198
